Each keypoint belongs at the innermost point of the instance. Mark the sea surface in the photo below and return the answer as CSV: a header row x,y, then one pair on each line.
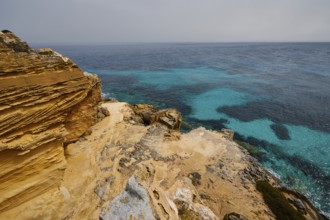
x,y
275,96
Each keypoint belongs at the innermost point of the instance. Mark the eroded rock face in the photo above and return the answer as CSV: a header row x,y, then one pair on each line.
x,y
148,115
46,101
171,118
143,113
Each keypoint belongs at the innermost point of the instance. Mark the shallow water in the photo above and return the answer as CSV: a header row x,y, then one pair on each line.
x,y
275,96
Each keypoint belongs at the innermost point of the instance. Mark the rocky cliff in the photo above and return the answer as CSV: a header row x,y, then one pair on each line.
x,y
46,101
56,163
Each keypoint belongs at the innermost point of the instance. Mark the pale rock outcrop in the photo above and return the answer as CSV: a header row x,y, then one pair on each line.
x,y
132,203
183,198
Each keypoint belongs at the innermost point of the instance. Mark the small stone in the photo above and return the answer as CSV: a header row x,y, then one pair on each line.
x,y
105,111
195,178
246,186
205,196
234,216
156,194
122,161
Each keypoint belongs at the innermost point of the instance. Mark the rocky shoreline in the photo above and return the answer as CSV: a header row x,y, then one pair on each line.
x,y
65,154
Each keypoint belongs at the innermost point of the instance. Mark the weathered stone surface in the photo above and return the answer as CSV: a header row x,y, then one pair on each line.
x,y
142,113
46,101
102,113
10,41
132,203
234,216
83,115
148,114
171,118
229,133
188,209
105,111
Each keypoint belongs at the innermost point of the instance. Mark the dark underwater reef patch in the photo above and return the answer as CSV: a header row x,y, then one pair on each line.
x,y
306,167
280,131
313,171
279,113
194,89
210,124
122,80
169,98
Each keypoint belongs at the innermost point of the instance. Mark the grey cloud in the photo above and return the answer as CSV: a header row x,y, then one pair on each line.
x,y
100,21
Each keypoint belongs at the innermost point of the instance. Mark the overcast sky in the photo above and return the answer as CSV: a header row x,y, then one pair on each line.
x,y
103,21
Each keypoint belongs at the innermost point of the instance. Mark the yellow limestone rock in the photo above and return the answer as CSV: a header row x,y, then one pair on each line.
x,y
46,101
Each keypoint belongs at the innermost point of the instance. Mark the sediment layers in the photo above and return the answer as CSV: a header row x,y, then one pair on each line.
x,y
46,101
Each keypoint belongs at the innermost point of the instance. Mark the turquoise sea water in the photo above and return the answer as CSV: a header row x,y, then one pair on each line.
x,y
274,96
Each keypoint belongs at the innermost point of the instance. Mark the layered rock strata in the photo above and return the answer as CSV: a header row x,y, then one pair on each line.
x,y
46,101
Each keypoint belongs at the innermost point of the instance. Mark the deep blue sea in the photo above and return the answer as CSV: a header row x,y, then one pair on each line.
x,y
275,96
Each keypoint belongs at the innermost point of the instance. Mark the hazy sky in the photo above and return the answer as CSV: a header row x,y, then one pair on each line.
x,y
100,21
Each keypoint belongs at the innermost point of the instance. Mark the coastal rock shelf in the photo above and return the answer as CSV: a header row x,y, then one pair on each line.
x,y
66,155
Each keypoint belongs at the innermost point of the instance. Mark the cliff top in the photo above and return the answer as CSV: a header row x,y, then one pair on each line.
x,y
17,57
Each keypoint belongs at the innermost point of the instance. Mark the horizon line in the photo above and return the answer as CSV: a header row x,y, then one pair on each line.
x,y
168,42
